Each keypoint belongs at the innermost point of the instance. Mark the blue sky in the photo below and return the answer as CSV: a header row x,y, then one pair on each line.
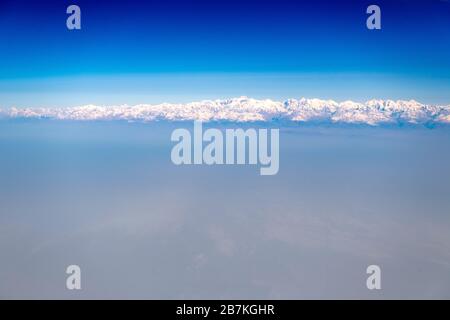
x,y
154,51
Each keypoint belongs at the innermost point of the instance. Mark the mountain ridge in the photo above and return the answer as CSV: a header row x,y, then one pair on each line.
x,y
244,109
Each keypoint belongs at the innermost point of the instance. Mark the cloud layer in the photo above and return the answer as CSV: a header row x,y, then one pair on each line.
x,y
244,109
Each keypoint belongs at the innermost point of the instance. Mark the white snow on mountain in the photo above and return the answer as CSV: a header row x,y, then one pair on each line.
x,y
244,109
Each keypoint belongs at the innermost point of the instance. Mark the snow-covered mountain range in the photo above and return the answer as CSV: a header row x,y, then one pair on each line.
x,y
244,109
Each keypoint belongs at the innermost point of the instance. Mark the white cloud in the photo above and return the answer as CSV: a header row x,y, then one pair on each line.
x,y
245,109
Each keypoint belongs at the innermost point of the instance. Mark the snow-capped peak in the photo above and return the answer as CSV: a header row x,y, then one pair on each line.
x,y
245,109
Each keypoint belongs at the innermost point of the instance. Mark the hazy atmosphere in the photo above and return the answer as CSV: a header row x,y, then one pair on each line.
x,y
105,196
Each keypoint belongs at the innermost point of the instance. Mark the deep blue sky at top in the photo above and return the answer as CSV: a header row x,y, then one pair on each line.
x,y
150,38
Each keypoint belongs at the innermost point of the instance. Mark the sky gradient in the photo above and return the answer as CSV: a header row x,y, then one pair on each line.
x,y
155,51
